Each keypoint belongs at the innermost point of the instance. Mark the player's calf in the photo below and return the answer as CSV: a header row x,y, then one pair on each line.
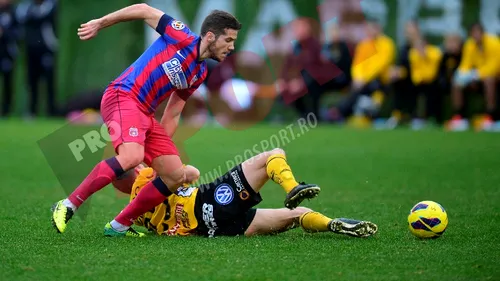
x,y
272,221
171,176
104,173
171,170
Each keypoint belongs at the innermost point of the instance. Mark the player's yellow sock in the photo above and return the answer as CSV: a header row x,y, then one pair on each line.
x,y
314,222
280,172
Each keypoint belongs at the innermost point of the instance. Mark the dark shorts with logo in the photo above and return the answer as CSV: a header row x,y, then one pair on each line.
x,y
224,207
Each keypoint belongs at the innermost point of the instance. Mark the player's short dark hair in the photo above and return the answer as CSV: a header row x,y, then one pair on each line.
x,y
217,22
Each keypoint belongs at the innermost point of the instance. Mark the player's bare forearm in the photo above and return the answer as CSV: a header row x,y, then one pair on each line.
x,y
170,124
172,114
134,12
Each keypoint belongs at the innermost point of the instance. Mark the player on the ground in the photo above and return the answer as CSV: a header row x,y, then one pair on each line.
x,y
226,205
172,67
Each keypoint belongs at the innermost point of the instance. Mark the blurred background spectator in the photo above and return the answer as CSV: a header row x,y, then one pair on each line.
x,y
416,74
425,60
452,56
371,66
8,52
338,52
343,67
38,18
479,67
297,84
401,77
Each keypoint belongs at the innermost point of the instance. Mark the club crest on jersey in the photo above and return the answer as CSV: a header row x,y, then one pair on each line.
x,y
223,194
173,69
133,132
178,25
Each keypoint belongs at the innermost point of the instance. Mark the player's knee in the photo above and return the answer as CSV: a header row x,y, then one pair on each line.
x,y
251,231
131,159
299,211
130,155
192,174
175,179
278,151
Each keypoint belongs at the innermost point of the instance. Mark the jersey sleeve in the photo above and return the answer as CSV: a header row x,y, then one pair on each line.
x,y
186,93
173,31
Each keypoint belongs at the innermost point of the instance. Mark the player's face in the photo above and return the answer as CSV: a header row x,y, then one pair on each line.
x,y
301,29
372,30
477,34
223,45
411,31
452,44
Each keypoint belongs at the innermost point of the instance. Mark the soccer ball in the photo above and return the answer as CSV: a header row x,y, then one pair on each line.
x,y
427,219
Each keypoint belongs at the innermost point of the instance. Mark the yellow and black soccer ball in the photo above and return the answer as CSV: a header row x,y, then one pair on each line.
x,y
427,219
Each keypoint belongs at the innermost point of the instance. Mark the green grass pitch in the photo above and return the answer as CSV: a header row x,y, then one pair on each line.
x,y
370,175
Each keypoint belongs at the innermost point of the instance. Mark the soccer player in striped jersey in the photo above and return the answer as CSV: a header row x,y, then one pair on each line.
x,y
172,68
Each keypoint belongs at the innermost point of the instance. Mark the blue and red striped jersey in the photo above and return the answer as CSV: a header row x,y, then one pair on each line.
x,y
170,64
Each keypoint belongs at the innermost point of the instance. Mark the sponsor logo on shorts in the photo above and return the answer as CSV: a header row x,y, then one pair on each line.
x,y
244,195
224,194
237,181
178,25
174,72
208,218
133,132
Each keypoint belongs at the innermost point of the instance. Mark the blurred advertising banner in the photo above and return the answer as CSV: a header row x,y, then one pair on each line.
x,y
261,17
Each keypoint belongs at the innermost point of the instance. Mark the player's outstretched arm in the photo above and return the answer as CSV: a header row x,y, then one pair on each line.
x,y
134,12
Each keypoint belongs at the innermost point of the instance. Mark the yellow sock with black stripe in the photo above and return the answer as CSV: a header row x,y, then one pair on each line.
x,y
314,222
280,172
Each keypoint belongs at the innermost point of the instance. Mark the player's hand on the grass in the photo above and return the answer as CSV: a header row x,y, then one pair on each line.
x,y
89,30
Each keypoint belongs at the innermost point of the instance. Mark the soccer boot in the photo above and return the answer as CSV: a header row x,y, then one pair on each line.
x,y
352,227
299,193
61,216
111,232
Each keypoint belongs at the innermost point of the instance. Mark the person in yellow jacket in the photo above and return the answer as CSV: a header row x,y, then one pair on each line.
x,y
373,58
424,61
418,70
480,63
226,206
